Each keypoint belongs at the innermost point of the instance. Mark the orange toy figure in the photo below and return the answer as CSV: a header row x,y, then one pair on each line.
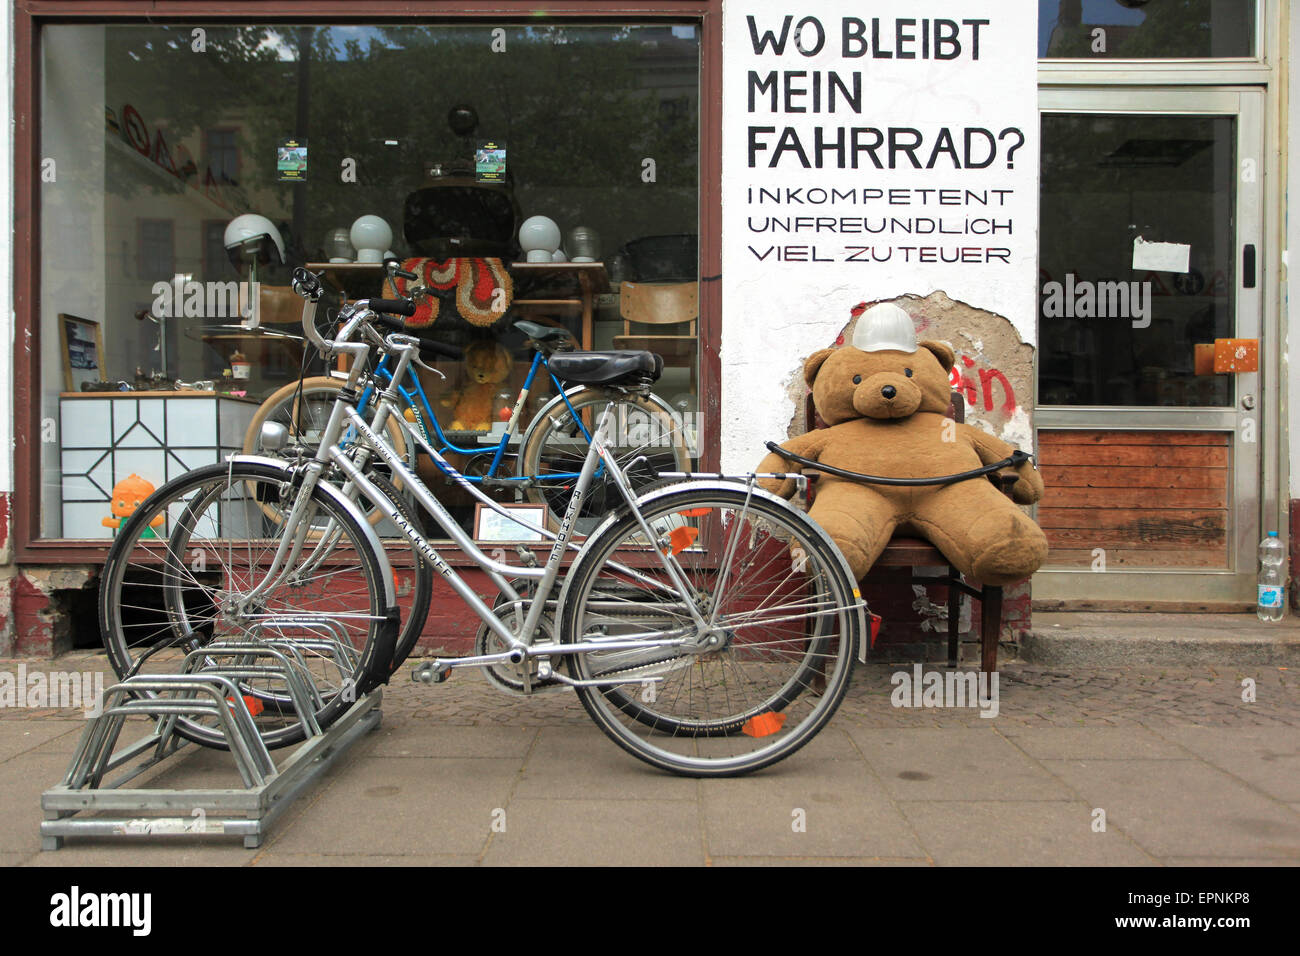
x,y
127,496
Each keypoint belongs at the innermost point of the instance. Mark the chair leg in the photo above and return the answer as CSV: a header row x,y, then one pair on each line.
x,y
954,616
990,627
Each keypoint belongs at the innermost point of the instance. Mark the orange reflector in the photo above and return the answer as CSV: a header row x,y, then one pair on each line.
x,y
682,538
254,705
695,512
763,725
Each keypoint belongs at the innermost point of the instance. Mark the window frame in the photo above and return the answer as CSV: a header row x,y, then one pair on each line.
x,y
31,15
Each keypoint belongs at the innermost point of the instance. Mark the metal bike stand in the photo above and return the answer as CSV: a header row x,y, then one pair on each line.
x,y
208,687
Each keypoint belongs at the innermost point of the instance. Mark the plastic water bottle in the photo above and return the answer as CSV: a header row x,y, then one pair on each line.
x,y
1271,589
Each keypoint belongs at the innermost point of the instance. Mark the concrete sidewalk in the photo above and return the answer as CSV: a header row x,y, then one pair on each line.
x,y
1185,771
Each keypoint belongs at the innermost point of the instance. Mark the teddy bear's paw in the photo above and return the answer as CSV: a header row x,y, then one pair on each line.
x,y
1026,492
1013,558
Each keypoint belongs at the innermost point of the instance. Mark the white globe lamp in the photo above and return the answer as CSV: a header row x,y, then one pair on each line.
x,y
371,236
539,237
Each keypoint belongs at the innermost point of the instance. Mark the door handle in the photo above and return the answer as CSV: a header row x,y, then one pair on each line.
x,y
1248,266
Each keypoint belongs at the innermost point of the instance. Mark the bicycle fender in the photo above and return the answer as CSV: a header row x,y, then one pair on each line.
x,y
575,392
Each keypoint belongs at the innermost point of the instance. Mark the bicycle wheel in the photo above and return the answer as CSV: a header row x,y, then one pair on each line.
x,y
772,663
181,575
304,415
556,445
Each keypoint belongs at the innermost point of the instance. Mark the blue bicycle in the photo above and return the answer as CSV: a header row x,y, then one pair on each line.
x,y
540,464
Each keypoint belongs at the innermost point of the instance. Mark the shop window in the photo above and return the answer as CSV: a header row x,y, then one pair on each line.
x,y
452,134
1146,29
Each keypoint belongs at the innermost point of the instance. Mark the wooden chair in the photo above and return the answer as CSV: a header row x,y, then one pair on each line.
x,y
661,305
909,552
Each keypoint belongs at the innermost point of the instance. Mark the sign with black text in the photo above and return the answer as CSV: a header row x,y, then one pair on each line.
x,y
869,151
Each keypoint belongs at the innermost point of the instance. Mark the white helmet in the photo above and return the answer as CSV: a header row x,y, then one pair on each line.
x,y
885,328
251,237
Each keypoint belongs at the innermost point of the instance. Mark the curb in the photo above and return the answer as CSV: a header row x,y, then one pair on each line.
x,y
1064,646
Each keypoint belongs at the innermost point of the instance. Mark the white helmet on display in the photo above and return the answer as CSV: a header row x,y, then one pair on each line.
x,y
885,328
252,238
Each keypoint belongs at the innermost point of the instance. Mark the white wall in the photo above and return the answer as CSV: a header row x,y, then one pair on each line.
x,y
776,313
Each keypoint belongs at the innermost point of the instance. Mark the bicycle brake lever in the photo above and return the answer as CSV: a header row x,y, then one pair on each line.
x,y
428,368
415,358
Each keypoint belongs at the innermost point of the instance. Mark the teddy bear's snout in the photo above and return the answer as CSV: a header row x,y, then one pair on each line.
x,y
886,396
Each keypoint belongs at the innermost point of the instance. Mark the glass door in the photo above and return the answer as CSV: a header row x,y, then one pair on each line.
x,y
1149,254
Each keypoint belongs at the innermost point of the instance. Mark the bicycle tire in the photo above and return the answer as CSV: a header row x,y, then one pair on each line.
x,y
157,590
415,611
556,445
786,631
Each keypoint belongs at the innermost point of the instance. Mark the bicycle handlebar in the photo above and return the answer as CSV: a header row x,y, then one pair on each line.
x,y
308,285
392,306
426,345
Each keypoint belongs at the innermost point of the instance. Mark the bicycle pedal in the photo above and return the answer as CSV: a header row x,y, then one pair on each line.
x,y
430,673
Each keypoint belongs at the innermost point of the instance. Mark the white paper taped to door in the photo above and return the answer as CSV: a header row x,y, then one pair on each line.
x,y
1161,256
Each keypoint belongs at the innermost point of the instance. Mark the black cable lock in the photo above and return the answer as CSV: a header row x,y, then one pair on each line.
x,y
1017,457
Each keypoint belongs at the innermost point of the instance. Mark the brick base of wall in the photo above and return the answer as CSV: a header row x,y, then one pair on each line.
x,y
36,619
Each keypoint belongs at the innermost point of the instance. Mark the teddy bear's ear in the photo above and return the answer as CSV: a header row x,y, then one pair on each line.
x,y
943,352
814,363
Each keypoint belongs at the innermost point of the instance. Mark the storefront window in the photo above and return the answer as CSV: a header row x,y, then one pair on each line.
x,y
1146,29
1113,330
155,138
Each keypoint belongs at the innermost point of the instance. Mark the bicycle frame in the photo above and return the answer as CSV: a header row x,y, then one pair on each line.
x,y
497,451
346,415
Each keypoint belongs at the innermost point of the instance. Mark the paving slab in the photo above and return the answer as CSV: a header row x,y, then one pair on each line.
x,y
598,832
22,781
955,764
817,861
1219,861
831,805
272,858
403,806
1184,807
49,736
101,851
406,737
576,763
1095,743
1018,833
1267,758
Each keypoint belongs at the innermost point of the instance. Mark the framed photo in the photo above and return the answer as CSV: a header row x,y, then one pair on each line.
x,y
490,526
82,350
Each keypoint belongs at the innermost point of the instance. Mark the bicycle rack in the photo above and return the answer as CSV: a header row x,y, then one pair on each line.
x,y
208,686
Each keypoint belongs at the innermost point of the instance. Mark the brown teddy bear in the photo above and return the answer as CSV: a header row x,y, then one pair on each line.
x,y
884,399
487,365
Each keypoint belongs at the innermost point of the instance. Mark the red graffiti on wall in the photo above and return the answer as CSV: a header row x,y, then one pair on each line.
x,y
978,388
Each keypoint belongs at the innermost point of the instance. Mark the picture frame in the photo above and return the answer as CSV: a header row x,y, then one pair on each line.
x,y
81,345
490,526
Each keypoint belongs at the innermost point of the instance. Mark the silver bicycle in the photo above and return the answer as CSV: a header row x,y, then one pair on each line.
x,y
708,627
